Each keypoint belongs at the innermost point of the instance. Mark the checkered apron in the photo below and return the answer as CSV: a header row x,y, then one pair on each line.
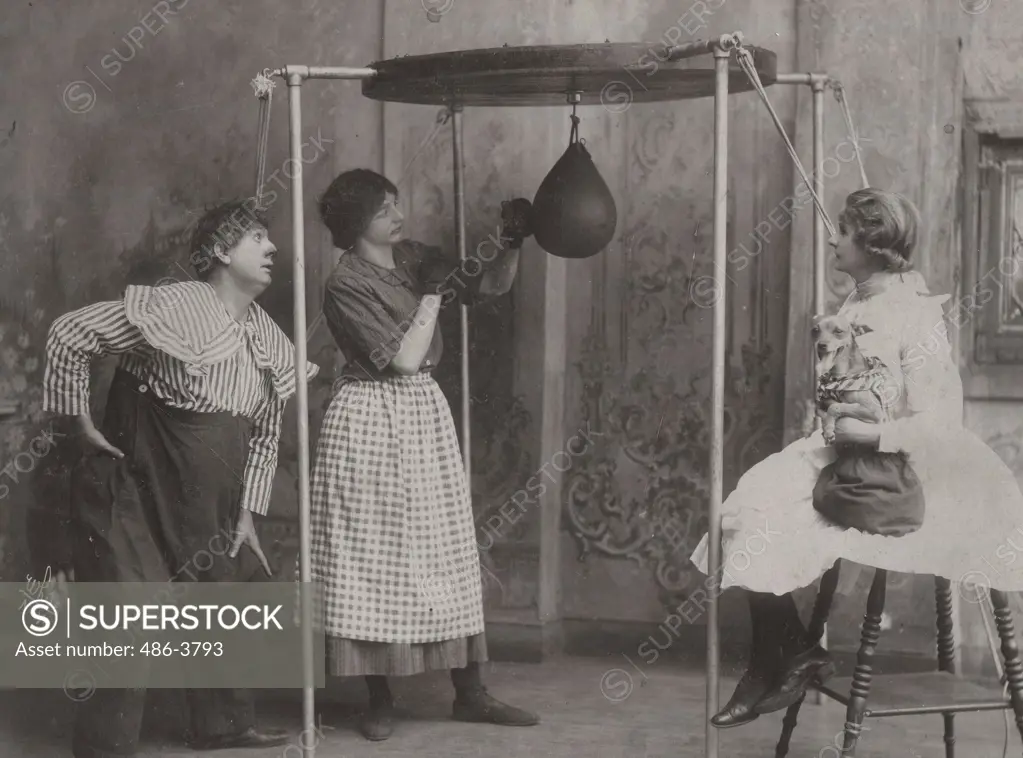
x,y
877,379
393,537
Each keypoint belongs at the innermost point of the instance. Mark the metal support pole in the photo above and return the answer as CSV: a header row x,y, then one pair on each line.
x,y
302,398
818,187
721,61
801,79
459,168
325,72
817,84
702,47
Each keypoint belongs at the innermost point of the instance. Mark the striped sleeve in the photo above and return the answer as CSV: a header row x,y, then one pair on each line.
x,y
73,341
262,462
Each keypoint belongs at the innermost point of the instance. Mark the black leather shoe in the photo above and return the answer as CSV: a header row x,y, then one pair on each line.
x,y
250,738
481,708
378,723
813,665
740,709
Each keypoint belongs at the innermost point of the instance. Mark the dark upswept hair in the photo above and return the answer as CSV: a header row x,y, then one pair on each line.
x,y
884,224
225,225
350,202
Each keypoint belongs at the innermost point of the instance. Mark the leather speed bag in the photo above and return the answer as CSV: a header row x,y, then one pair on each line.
x,y
574,214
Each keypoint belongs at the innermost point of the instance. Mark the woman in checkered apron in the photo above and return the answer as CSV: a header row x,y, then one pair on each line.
x,y
778,534
393,535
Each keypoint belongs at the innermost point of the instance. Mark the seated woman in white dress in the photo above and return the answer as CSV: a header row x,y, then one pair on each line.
x,y
774,540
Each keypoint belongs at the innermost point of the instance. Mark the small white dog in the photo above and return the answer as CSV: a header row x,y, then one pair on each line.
x,y
847,381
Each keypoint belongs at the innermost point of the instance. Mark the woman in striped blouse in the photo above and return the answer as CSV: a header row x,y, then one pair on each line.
x,y
393,536
187,452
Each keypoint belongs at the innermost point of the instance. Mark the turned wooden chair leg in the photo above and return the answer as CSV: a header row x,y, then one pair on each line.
x,y
1010,654
788,726
946,651
819,617
863,673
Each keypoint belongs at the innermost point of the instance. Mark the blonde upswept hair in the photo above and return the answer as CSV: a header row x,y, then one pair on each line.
x,y
884,224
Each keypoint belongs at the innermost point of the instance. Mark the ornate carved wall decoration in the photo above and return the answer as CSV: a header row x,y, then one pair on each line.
x,y
652,149
641,491
663,452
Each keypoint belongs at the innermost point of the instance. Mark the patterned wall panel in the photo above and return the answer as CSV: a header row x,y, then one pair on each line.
x,y
643,496
644,332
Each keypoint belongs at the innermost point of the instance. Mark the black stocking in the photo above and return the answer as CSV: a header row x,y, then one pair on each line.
x,y
778,631
379,691
761,648
468,681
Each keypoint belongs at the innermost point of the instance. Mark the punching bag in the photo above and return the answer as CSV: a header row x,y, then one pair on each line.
x,y
574,214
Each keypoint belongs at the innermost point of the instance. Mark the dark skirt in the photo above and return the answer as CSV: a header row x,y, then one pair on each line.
x,y
165,512
168,509
877,493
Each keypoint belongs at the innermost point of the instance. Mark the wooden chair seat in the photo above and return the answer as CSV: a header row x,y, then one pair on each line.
x,y
928,692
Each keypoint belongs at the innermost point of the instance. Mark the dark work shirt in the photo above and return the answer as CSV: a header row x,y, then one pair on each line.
x,y
369,308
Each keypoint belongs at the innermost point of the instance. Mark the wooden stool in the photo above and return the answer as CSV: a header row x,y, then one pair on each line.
x,y
940,691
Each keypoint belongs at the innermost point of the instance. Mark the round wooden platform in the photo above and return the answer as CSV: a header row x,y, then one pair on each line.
x,y
610,74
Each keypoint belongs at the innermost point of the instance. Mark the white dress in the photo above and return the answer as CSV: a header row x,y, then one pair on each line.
x,y
774,541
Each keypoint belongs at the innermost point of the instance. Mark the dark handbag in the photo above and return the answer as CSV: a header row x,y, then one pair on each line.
x,y
877,493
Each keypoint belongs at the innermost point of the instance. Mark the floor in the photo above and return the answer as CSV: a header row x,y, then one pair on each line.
x,y
654,713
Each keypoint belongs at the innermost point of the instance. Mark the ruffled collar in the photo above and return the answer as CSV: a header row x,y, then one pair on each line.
x,y
189,322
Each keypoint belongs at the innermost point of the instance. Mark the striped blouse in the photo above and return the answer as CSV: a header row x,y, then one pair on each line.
x,y
183,345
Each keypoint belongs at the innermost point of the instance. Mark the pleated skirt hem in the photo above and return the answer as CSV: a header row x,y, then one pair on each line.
x,y
346,657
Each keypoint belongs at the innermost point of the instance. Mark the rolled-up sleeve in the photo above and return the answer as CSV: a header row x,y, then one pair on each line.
x,y
354,309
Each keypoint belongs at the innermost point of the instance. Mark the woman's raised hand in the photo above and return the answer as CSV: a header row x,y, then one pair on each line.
x,y
516,220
